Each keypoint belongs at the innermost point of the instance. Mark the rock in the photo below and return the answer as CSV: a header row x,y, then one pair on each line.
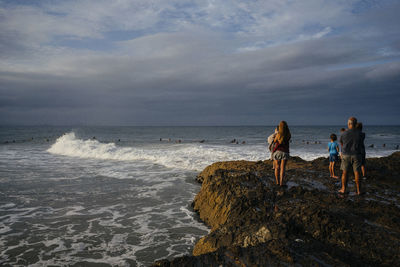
x,y
255,223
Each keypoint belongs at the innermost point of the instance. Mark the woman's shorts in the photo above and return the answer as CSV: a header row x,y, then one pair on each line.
x,y
333,157
280,155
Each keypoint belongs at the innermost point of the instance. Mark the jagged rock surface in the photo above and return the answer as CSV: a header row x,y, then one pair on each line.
x,y
255,223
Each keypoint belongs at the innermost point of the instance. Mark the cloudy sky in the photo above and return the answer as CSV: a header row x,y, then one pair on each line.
x,y
177,62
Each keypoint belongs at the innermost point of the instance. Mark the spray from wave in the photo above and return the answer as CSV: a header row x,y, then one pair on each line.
x,y
185,156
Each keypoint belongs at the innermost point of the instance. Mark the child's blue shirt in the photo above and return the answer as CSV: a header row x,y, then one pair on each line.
x,y
332,148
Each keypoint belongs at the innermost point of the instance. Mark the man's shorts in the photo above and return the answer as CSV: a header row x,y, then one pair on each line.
x,y
333,157
351,161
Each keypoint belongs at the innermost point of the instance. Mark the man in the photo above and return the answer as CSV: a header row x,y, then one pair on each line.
x,y
351,154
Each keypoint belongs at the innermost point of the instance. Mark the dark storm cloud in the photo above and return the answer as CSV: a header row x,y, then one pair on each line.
x,y
203,70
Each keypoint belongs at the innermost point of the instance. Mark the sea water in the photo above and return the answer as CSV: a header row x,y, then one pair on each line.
x,y
122,195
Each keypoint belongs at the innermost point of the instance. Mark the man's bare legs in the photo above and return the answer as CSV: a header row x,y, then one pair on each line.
x,y
363,170
357,180
283,167
344,182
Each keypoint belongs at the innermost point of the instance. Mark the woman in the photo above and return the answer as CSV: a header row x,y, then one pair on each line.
x,y
280,153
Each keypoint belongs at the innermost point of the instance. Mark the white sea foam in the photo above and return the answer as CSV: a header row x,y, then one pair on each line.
x,y
7,206
179,156
74,210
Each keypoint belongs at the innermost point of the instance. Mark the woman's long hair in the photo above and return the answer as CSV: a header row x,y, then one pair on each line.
x,y
283,135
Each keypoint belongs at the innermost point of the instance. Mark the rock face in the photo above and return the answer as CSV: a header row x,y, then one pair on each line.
x,y
255,223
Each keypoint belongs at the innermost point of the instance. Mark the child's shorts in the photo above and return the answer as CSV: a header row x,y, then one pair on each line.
x,y
333,157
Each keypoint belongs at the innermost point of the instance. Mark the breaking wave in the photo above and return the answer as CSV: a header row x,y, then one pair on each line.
x,y
180,156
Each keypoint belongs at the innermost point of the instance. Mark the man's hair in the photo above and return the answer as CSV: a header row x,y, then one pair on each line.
x,y
333,137
359,126
353,121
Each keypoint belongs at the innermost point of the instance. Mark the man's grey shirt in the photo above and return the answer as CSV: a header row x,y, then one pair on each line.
x,y
352,142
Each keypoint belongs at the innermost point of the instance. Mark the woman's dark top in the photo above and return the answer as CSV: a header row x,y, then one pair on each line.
x,y
284,147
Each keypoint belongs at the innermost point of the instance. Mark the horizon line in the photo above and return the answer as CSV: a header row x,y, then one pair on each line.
x,y
189,125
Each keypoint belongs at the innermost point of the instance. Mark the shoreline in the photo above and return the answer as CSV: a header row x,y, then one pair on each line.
x,y
254,222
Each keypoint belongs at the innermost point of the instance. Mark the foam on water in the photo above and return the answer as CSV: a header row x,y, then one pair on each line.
x,y
178,156
65,238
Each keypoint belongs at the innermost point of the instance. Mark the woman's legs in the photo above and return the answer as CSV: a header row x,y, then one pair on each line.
x,y
282,170
277,171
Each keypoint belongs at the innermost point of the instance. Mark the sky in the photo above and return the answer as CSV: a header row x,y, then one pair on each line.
x,y
177,62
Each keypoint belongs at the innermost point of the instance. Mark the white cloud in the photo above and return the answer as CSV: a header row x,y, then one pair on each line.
x,y
269,21
200,50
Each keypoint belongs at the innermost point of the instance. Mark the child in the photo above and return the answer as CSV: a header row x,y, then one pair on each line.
x,y
271,143
333,149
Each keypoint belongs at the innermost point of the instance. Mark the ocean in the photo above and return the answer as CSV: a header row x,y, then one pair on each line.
x,y
121,196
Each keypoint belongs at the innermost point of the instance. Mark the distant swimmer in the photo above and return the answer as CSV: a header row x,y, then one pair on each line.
x,y
397,147
202,141
119,140
372,146
94,137
160,139
233,141
244,142
47,140
384,145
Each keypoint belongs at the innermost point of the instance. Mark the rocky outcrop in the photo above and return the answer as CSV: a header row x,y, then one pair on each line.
x,y
255,223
